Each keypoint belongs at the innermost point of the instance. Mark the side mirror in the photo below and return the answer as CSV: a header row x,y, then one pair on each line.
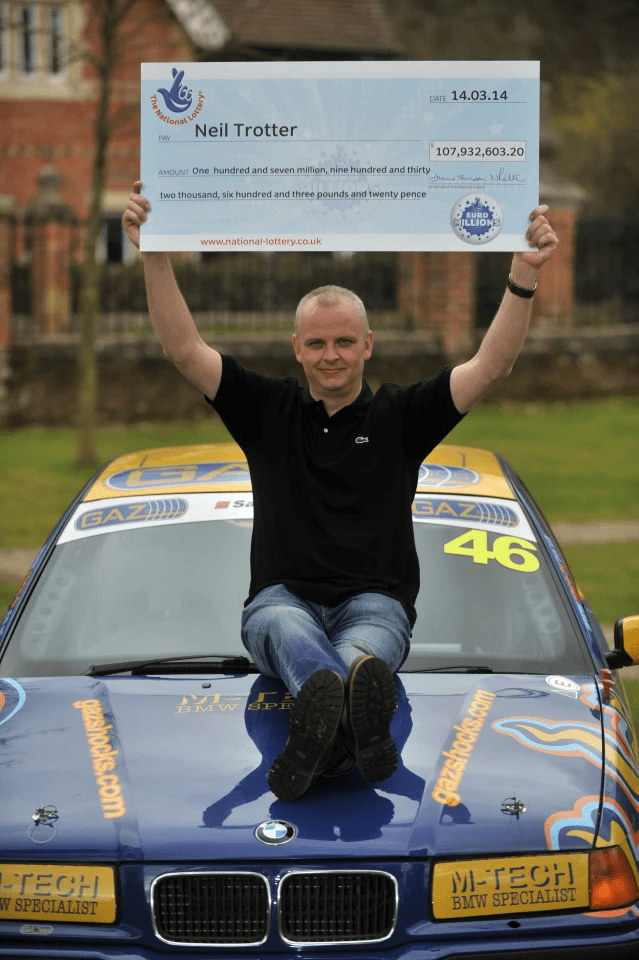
x,y
626,651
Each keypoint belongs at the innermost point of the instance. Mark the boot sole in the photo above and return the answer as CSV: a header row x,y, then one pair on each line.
x,y
372,703
315,719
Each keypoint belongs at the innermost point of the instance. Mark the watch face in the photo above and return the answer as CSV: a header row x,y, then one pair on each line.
x,y
275,831
476,218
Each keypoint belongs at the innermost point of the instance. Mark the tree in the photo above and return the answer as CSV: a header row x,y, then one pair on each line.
x,y
571,38
597,122
589,56
107,18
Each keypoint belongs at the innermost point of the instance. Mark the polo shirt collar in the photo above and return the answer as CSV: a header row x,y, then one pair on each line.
x,y
358,406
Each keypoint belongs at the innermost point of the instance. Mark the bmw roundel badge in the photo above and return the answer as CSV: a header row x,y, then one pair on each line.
x,y
275,831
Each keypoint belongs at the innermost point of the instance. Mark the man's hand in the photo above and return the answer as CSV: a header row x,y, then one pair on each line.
x,y
135,214
541,235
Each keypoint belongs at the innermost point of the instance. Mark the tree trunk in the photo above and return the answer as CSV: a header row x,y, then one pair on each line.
x,y
110,15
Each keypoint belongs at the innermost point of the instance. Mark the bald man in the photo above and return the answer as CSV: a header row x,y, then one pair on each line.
x,y
334,468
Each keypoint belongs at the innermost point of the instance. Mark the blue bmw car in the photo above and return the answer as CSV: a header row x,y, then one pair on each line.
x,y
135,738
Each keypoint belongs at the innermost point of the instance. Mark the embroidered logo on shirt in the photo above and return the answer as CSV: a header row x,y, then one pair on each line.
x,y
361,439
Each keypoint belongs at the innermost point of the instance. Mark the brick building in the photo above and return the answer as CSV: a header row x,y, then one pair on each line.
x,y
48,93
48,86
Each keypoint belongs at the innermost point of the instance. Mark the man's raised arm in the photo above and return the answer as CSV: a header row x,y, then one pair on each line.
x,y
170,316
505,337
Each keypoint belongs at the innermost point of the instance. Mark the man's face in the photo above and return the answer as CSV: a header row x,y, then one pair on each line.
x,y
332,345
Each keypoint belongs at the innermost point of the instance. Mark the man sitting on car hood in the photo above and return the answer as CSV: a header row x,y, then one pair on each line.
x,y
334,468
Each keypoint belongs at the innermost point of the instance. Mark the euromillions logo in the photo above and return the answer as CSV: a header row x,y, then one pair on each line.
x,y
275,831
477,218
177,100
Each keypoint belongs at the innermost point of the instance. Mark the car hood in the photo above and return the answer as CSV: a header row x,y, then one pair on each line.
x,y
174,768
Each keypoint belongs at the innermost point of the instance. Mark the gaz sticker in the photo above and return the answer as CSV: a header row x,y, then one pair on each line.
x,y
515,553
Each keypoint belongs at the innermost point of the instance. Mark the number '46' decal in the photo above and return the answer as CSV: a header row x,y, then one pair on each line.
x,y
511,552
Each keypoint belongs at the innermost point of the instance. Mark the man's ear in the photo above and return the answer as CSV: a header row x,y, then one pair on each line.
x,y
369,344
296,348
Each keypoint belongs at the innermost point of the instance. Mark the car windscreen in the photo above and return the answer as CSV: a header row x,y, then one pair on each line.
x,y
136,579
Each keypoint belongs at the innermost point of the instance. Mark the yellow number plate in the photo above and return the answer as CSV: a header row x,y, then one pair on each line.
x,y
54,892
510,885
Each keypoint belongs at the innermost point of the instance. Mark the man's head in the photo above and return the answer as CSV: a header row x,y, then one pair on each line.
x,y
329,296
332,341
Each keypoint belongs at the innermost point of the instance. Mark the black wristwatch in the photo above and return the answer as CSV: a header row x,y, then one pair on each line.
x,y
525,292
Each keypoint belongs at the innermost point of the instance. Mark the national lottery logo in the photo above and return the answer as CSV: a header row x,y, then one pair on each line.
x,y
177,100
477,218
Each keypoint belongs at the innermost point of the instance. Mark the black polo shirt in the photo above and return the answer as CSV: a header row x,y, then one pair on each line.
x,y
332,495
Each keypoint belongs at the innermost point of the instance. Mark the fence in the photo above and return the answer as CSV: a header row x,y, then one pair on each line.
x,y
229,292
238,292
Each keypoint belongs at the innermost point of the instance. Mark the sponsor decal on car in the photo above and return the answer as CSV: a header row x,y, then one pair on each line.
x,y
458,753
99,740
565,686
441,475
180,475
608,823
210,703
12,697
119,514
514,553
142,511
491,514
493,886
477,511
68,893
264,700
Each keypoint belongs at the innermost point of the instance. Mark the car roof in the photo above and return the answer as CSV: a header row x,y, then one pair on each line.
x,y
217,467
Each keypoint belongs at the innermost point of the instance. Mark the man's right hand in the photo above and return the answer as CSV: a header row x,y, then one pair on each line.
x,y
135,214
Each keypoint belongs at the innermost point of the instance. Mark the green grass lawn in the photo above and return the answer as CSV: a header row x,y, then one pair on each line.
x,y
580,460
632,692
608,574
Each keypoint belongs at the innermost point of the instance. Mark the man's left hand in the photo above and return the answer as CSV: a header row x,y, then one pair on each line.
x,y
540,235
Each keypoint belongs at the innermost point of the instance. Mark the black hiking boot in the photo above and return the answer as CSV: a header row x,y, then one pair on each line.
x,y
371,703
315,719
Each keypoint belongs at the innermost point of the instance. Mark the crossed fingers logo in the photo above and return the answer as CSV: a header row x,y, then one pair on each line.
x,y
179,98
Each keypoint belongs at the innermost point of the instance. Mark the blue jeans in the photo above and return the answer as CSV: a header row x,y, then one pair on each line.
x,y
291,638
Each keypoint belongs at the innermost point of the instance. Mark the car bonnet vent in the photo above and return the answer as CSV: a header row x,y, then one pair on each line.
x,y
344,907
216,908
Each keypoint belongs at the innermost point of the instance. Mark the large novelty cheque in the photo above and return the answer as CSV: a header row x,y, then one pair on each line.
x,y
407,155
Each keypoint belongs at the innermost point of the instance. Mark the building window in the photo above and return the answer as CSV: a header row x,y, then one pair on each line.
x,y
33,39
54,33
27,38
3,36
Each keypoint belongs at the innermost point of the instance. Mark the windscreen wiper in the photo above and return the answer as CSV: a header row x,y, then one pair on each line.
x,y
194,663
458,668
